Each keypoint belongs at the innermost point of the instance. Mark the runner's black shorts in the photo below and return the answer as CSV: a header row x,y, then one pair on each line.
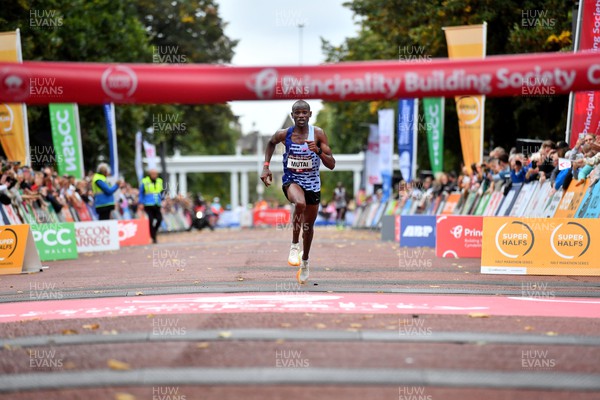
x,y
310,197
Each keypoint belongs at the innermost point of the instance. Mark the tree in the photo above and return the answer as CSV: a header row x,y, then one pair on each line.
x,y
131,31
389,28
192,32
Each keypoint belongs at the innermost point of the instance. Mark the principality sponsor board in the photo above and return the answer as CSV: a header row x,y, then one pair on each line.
x,y
459,236
540,246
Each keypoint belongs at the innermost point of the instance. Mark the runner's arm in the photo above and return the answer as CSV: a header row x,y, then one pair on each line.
x,y
266,175
326,155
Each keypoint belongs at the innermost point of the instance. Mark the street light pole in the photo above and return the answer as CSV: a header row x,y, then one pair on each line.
x,y
300,26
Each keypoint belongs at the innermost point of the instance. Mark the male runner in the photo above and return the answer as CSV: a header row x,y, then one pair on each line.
x,y
305,147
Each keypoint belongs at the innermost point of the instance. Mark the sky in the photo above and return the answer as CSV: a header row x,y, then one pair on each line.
x,y
268,35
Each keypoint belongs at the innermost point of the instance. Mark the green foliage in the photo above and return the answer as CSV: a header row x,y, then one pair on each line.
x,y
390,28
133,31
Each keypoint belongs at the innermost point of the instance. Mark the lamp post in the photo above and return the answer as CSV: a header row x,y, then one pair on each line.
x,y
300,26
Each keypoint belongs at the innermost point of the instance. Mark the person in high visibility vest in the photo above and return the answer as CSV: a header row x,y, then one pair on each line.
x,y
104,200
151,191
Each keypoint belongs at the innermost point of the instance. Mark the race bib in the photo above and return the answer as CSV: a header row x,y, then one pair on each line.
x,y
299,164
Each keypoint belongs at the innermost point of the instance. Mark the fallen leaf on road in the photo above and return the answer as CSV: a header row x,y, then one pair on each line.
x,y
139,293
551,333
91,326
118,365
69,332
355,325
96,291
69,365
285,325
19,291
111,332
203,345
478,315
434,286
240,279
320,326
124,396
529,328
327,269
225,334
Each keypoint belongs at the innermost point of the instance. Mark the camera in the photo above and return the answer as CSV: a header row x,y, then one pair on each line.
x,y
534,164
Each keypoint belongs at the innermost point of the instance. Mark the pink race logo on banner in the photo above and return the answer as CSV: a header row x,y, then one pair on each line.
x,y
272,217
134,232
459,236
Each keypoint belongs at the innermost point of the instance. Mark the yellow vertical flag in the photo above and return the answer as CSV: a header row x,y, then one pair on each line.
x,y
14,137
469,41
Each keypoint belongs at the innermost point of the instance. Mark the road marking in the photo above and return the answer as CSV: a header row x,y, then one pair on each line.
x,y
295,302
402,334
300,376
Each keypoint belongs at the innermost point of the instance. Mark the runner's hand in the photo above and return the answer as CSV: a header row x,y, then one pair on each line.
x,y
266,176
312,146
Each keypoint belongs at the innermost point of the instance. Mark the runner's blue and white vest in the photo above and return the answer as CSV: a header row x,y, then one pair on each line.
x,y
300,165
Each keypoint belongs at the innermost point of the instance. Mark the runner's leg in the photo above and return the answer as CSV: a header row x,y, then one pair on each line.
x,y
295,194
310,215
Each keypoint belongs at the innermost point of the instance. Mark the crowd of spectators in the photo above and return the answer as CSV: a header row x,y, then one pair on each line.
x,y
556,163
67,197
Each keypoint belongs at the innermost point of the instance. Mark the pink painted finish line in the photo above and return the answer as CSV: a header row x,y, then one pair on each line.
x,y
346,303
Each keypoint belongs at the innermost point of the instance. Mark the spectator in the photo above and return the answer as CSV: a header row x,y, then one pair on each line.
x,y
444,185
340,201
104,200
517,170
577,151
588,152
497,152
560,178
502,169
151,193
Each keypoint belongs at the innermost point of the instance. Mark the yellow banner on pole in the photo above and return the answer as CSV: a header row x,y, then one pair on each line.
x,y
469,41
14,137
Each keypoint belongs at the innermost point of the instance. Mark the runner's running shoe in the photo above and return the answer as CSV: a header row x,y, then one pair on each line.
x,y
303,272
295,255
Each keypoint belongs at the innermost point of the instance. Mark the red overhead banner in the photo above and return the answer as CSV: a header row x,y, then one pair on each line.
x,y
88,83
